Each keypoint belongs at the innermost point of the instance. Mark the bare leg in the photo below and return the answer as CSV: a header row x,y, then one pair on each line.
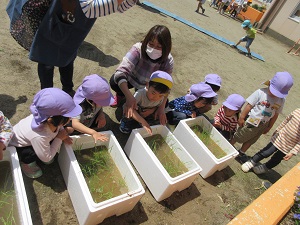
x,y
245,147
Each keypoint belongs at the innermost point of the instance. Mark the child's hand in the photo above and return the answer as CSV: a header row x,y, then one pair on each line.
x,y
98,136
62,134
194,115
241,122
2,147
68,141
288,156
160,114
217,125
147,127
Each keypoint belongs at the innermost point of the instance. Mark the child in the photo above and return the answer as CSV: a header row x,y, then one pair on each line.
x,y
250,31
144,58
214,81
92,94
226,119
6,133
262,110
224,3
200,4
189,106
285,143
39,136
148,100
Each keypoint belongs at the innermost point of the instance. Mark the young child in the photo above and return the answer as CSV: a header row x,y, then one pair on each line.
x,y
148,100
144,58
92,95
189,106
226,119
284,144
40,135
6,133
261,111
214,81
221,6
200,5
250,31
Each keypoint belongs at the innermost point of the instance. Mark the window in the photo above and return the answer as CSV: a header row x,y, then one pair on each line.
x,y
296,13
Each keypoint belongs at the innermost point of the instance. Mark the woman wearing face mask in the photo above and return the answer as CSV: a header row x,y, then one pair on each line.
x,y
145,57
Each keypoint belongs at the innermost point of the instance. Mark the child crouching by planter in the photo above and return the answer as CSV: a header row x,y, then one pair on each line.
x,y
148,100
40,135
190,105
226,119
92,95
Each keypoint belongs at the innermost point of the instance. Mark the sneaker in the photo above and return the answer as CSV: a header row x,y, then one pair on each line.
x,y
248,166
233,46
117,102
260,169
124,127
31,170
249,55
203,10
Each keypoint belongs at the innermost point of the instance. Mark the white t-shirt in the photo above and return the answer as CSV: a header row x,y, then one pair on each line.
x,y
143,102
39,140
264,106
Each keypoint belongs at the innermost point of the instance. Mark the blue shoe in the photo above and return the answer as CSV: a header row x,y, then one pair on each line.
x,y
124,126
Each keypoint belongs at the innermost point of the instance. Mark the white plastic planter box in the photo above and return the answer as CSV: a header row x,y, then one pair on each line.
x,y
198,150
157,179
10,155
87,211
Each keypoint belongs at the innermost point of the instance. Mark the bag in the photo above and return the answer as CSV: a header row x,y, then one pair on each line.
x,y
24,26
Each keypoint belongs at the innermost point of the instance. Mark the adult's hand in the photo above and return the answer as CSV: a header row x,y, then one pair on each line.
x,y
129,106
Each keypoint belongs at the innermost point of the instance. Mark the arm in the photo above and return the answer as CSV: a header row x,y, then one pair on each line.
x,y
94,9
130,104
217,120
6,133
77,125
244,114
271,123
160,112
100,120
142,121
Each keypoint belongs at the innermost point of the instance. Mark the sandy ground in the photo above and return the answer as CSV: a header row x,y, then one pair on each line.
x,y
206,201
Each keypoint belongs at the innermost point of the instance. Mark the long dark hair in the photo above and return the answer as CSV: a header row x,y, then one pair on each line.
x,y
163,36
58,120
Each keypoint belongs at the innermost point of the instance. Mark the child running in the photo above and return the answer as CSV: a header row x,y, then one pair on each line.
x,y
262,110
148,100
40,135
284,144
92,95
6,133
200,5
189,106
226,119
249,38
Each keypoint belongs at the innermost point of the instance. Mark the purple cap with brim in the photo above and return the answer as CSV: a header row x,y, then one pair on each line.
x,y
52,102
234,102
280,84
199,90
95,88
214,79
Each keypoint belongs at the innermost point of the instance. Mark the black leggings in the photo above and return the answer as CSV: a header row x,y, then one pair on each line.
x,y
116,87
26,154
266,152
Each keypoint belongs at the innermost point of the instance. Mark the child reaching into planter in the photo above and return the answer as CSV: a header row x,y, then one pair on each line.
x,y
6,133
148,99
249,38
226,119
189,106
92,95
262,110
40,135
284,144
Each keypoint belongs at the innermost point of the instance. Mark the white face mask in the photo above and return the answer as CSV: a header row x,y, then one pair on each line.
x,y
153,53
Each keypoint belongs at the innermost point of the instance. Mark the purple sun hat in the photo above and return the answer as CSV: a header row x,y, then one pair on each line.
x,y
280,84
234,102
52,102
199,90
95,88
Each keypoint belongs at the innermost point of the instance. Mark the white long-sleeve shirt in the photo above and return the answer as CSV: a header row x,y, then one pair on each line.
x,y
39,140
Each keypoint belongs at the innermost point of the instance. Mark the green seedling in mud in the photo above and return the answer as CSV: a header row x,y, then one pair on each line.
x,y
8,207
204,136
166,155
100,172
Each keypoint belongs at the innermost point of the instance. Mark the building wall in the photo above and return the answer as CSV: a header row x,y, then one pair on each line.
x,y
283,24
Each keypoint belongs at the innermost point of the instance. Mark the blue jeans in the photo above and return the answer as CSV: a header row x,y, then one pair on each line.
x,y
248,40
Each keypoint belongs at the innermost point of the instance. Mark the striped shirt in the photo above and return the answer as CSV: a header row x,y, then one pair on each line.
x,y
287,135
227,123
98,8
6,130
137,70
